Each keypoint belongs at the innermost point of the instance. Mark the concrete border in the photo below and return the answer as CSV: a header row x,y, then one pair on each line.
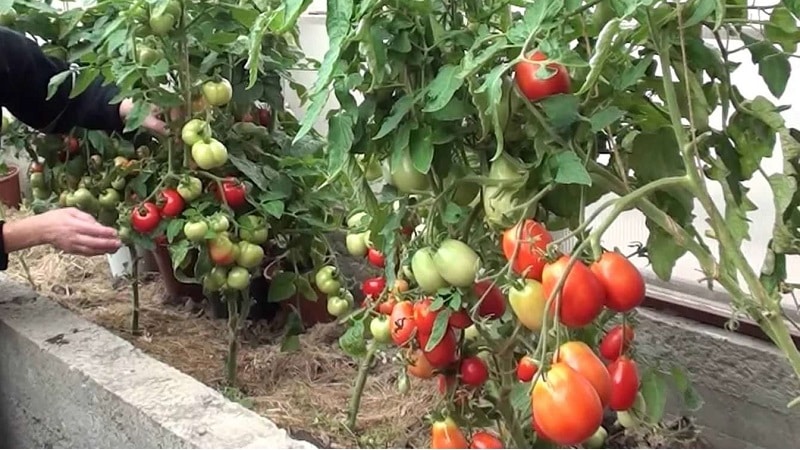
x,y
65,382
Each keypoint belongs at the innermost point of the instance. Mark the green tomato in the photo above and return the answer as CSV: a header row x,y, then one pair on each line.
x,y
250,255
110,198
326,280
356,219
253,229
626,419
371,167
408,179
209,155
356,245
379,327
238,278
471,333
499,203
83,198
597,439
147,56
457,263
425,273
464,194
195,231
40,193
70,200
216,279
174,8
217,93
119,183
162,25
37,180
194,131
219,223
338,306
190,188
108,217
125,235
8,18
403,384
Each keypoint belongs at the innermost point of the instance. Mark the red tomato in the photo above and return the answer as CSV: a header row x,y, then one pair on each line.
x,y
534,88
376,258
36,167
484,439
621,280
446,434
526,369
459,319
493,304
474,371
579,357
402,323
566,406
443,353
264,117
72,144
538,429
387,306
582,296
533,239
145,217
616,342
171,202
424,317
624,383
373,287
234,192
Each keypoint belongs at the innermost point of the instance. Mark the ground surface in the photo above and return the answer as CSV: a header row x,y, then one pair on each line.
x,y
305,391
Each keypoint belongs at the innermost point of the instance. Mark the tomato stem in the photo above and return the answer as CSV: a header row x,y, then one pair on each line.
x,y
135,288
231,364
361,380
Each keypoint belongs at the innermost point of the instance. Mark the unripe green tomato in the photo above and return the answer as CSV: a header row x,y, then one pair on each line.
x,y
195,231
162,25
250,255
598,439
471,333
238,278
403,383
356,245
356,219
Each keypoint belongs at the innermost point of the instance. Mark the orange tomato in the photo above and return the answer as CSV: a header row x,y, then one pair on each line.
x,y
446,434
621,280
400,286
386,306
582,295
566,406
418,365
582,359
402,323
531,245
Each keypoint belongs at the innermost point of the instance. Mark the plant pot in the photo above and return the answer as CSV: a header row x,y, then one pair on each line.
x,y
10,193
311,312
176,290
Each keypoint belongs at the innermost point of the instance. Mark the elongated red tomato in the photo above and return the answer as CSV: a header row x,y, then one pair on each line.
x,y
621,280
446,434
616,342
582,296
459,319
530,243
624,383
565,406
579,357
402,323
526,369
493,304
443,353
484,439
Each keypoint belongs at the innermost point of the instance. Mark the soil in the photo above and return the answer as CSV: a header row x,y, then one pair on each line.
x,y
305,391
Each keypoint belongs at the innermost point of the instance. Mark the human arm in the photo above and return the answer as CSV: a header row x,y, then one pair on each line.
x,y
68,229
25,73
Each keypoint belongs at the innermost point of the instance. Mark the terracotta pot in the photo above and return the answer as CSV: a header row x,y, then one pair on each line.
x,y
175,289
10,193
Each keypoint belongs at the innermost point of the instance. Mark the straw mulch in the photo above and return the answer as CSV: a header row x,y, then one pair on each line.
x,y
305,391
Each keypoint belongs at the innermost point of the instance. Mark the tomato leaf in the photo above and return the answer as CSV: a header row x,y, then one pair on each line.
x,y
421,149
700,11
662,251
753,132
304,289
55,82
281,287
536,14
654,391
398,112
440,327
605,117
521,400
562,110
453,213
178,252
174,228
691,399
567,168
274,208
442,88
340,139
250,170
84,79
353,341
291,343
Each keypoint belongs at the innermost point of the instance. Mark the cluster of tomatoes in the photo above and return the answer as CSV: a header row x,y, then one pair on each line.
x,y
569,398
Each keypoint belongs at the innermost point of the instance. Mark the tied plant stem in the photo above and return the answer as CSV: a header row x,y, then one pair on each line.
x,y
361,381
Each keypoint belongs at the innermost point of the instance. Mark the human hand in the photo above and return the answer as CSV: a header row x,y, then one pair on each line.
x,y
76,232
151,122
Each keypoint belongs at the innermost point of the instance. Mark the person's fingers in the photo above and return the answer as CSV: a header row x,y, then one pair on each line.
x,y
96,245
90,227
155,125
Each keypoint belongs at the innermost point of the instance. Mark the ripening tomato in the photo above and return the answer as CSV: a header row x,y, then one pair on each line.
x,y
424,316
402,323
418,365
443,353
623,284
376,258
446,434
484,439
459,319
493,304
145,217
534,88
582,296
474,371
386,306
373,287
616,342
526,369
532,240
566,406
579,357
624,383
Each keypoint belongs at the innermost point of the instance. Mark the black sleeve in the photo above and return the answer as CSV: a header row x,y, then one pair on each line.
x,y
3,254
25,73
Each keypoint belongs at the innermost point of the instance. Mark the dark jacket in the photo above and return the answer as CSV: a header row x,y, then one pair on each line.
x,y
25,73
